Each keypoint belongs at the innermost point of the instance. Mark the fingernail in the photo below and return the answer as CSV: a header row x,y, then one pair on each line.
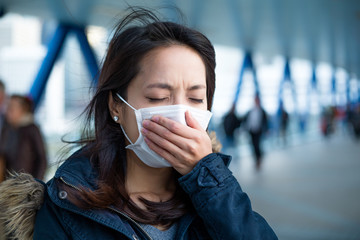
x,y
144,131
189,114
146,123
155,118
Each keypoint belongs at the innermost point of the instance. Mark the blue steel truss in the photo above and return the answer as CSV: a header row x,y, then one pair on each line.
x,y
287,77
54,50
247,65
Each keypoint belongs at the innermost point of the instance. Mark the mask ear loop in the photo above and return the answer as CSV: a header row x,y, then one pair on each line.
x,y
125,102
120,124
125,134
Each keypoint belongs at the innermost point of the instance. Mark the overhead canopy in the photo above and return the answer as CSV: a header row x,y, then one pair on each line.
x,y
318,30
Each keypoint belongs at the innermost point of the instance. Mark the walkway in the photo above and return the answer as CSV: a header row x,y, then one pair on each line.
x,y
307,191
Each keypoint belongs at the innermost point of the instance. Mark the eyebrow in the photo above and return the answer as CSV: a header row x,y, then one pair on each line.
x,y
196,87
168,87
160,85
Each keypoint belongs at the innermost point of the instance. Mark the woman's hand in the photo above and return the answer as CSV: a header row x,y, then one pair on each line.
x,y
182,146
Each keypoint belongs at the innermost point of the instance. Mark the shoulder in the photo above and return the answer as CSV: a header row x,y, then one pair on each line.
x,y
21,196
29,126
49,221
31,129
78,169
52,219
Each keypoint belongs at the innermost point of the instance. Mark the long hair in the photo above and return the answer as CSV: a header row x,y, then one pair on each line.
x,y
137,34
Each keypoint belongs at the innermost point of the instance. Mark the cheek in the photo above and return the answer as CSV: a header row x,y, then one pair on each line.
x,y
130,125
10,112
9,116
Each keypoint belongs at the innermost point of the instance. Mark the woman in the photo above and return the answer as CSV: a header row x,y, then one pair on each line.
x,y
22,145
149,170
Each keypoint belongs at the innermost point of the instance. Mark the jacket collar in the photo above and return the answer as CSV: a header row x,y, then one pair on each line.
x,y
78,171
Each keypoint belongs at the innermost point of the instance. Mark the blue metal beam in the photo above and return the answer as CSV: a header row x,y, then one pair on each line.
x,y
54,49
287,73
42,77
247,64
287,77
88,53
312,87
333,87
313,78
348,90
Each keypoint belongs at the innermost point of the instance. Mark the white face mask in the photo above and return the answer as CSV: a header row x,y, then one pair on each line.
x,y
174,112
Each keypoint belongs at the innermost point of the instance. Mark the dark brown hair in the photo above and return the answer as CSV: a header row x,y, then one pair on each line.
x,y
2,85
106,147
25,102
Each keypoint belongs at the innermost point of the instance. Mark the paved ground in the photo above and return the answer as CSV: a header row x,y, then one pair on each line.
x,y
307,190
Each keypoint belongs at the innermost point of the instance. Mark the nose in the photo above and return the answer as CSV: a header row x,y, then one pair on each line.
x,y
179,99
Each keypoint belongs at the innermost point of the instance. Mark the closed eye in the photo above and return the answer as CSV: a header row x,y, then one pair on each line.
x,y
197,100
156,99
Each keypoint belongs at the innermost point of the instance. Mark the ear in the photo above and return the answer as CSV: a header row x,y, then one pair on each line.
x,y
115,108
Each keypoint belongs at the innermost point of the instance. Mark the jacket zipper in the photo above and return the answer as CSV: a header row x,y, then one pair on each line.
x,y
131,220
115,210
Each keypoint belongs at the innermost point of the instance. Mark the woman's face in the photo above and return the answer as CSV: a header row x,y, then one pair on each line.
x,y
14,111
168,76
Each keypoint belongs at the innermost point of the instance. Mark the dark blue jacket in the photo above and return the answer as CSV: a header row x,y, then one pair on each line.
x,y
223,210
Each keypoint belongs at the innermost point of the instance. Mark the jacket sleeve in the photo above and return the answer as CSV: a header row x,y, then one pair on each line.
x,y
265,121
49,223
39,148
220,202
31,156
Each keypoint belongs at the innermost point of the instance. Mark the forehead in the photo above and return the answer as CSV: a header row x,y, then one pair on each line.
x,y
14,103
173,65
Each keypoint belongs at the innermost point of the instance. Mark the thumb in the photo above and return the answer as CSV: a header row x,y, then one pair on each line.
x,y
191,121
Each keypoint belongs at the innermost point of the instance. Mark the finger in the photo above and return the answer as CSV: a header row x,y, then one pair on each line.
x,y
178,146
169,141
162,152
173,126
191,121
182,167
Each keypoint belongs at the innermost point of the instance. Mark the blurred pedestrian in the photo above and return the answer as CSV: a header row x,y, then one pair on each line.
x,y
257,125
2,103
283,123
21,143
2,122
328,121
355,121
231,122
